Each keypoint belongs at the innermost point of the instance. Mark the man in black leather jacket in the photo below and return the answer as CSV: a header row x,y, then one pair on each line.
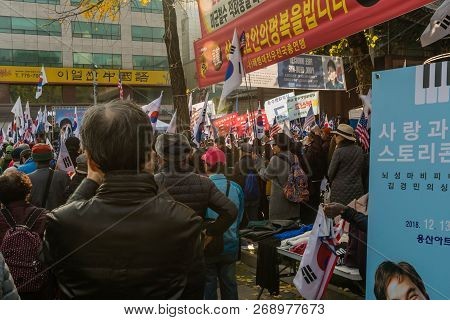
x,y
178,180
116,238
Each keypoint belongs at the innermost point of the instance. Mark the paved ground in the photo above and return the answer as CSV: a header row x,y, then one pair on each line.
x,y
248,290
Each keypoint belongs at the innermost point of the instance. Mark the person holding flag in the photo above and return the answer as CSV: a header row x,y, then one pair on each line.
x,y
41,83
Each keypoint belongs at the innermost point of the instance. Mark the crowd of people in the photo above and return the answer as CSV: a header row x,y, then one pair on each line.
x,y
148,216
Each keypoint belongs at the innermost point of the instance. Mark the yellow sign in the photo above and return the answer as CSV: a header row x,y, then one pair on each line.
x,y
74,76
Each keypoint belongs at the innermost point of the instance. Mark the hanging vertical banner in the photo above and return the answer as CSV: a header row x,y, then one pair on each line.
x,y
282,29
298,106
409,220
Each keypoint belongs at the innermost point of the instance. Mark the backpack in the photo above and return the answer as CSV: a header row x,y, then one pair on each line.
x,y
296,187
251,186
20,248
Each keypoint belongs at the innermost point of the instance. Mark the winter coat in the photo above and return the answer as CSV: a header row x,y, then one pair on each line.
x,y
278,172
241,170
8,290
122,241
199,193
57,192
20,211
236,195
345,173
28,167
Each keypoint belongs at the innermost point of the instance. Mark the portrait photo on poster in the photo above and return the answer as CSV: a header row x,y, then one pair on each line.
x,y
399,281
333,73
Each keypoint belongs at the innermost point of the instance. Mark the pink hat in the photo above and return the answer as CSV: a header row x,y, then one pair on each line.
x,y
214,156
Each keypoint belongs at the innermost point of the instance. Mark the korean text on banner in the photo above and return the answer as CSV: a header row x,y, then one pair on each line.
x,y
282,29
409,180
13,74
215,14
298,106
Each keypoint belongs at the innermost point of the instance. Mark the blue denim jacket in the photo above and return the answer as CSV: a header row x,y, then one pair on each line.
x,y
236,195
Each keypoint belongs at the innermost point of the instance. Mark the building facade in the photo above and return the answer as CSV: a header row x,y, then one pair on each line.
x,y
130,47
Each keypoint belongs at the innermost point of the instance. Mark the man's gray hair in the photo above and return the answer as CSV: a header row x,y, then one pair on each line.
x,y
116,135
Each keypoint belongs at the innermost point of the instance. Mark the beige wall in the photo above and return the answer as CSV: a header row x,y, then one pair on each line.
x,y
67,44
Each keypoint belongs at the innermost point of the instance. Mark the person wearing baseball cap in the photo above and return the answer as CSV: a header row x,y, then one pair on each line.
x,y
199,193
346,167
55,194
221,265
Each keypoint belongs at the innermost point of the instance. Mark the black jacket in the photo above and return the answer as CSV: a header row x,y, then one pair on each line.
x,y
57,194
356,218
122,241
199,193
242,168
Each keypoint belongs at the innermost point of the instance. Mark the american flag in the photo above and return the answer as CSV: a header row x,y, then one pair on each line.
x,y
242,41
275,129
119,85
362,133
310,119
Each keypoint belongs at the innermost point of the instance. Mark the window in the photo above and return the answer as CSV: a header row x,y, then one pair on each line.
x,y
102,60
10,57
154,6
5,57
150,63
147,34
95,30
38,1
18,25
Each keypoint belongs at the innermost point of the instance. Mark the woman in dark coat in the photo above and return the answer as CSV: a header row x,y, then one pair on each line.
x,y
346,167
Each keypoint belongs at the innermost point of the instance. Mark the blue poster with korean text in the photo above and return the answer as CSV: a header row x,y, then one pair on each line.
x,y
409,211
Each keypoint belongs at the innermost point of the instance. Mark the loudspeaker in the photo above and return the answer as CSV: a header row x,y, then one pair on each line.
x,y
367,3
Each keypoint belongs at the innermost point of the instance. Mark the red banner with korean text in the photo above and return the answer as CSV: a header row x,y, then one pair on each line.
x,y
277,30
238,122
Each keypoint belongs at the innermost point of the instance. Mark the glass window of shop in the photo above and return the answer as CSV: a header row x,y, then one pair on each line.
x,y
150,63
147,34
95,30
102,60
144,95
154,6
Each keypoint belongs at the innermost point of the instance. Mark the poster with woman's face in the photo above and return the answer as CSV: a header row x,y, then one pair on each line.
x,y
333,73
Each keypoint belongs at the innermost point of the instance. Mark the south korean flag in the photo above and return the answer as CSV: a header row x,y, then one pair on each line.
x,y
318,261
64,162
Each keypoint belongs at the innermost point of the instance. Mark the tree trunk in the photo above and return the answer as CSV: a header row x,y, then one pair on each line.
x,y
176,72
361,61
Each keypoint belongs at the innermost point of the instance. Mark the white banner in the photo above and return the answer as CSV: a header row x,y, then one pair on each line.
x,y
276,108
